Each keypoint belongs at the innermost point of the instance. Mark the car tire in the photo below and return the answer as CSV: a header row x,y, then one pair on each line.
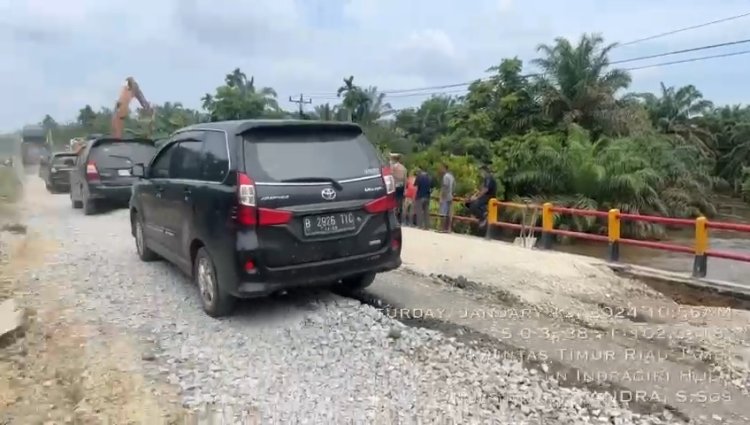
x,y
355,284
89,205
49,188
144,252
215,301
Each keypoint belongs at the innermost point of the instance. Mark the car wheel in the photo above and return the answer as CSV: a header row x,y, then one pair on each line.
x,y
49,188
89,205
215,301
144,253
355,284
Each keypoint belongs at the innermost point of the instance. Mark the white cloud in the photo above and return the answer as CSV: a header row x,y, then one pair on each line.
x,y
427,53
58,56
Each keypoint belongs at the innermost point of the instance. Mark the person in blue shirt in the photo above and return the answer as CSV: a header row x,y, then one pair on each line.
x,y
478,203
423,182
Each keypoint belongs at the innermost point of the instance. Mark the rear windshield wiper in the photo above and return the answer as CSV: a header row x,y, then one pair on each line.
x,y
334,182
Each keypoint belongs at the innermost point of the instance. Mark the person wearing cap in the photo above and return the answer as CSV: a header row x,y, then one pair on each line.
x,y
399,177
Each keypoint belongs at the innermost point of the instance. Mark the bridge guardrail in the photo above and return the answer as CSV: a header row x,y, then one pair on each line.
x,y
700,249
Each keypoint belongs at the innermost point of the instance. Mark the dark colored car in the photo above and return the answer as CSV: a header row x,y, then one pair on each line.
x,y
55,171
251,208
102,172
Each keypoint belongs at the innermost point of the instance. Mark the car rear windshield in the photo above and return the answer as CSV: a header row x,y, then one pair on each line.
x,y
282,154
121,154
66,160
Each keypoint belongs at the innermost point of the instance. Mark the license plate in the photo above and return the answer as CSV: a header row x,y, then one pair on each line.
x,y
328,224
123,172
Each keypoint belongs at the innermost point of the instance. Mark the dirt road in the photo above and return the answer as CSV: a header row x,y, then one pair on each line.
x,y
137,346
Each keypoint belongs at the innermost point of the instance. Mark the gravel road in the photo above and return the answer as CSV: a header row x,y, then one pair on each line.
x,y
310,357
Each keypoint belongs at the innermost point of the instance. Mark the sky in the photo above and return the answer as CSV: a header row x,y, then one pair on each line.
x,y
58,56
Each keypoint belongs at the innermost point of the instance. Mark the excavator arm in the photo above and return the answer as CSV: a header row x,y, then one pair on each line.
x,y
129,91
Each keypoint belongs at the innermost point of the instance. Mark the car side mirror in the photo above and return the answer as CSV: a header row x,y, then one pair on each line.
x,y
138,170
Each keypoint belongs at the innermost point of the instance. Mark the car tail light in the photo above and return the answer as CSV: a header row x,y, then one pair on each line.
x,y
248,214
250,266
390,183
395,244
381,205
91,171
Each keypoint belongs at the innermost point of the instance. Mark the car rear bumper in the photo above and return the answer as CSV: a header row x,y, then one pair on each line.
x,y
110,193
267,281
60,181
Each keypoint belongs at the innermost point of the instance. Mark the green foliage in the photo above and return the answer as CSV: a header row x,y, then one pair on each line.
x,y
238,99
464,168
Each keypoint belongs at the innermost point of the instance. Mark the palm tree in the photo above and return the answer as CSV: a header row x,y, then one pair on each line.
x,y
239,99
576,83
325,112
374,107
676,112
86,117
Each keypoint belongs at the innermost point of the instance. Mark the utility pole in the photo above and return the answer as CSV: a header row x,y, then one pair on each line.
x,y
301,102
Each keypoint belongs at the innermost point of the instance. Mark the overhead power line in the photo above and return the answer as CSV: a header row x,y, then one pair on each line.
x,y
678,52
628,43
420,90
700,58
636,68
679,30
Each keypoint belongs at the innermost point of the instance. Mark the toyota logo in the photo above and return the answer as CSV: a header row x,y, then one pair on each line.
x,y
328,194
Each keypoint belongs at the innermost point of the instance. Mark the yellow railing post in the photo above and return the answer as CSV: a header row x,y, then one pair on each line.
x,y
613,234
492,205
700,262
548,224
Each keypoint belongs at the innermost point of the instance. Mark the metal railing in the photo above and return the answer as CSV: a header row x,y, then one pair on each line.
x,y
700,249
701,225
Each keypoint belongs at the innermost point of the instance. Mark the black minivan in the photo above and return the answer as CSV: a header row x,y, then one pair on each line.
x,y
254,207
103,171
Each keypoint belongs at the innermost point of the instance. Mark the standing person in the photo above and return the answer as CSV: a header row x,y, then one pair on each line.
x,y
486,192
447,188
422,201
409,197
399,178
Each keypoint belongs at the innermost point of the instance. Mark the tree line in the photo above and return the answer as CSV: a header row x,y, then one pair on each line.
x,y
570,133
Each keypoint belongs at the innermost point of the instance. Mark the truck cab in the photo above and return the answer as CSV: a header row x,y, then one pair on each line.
x,y
33,145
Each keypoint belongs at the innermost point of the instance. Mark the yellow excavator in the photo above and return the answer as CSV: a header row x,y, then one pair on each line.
x,y
129,91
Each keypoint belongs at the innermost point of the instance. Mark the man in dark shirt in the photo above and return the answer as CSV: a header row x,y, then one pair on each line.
x,y
423,182
486,192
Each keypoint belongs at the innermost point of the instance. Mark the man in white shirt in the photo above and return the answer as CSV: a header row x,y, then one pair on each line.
x,y
399,177
447,188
